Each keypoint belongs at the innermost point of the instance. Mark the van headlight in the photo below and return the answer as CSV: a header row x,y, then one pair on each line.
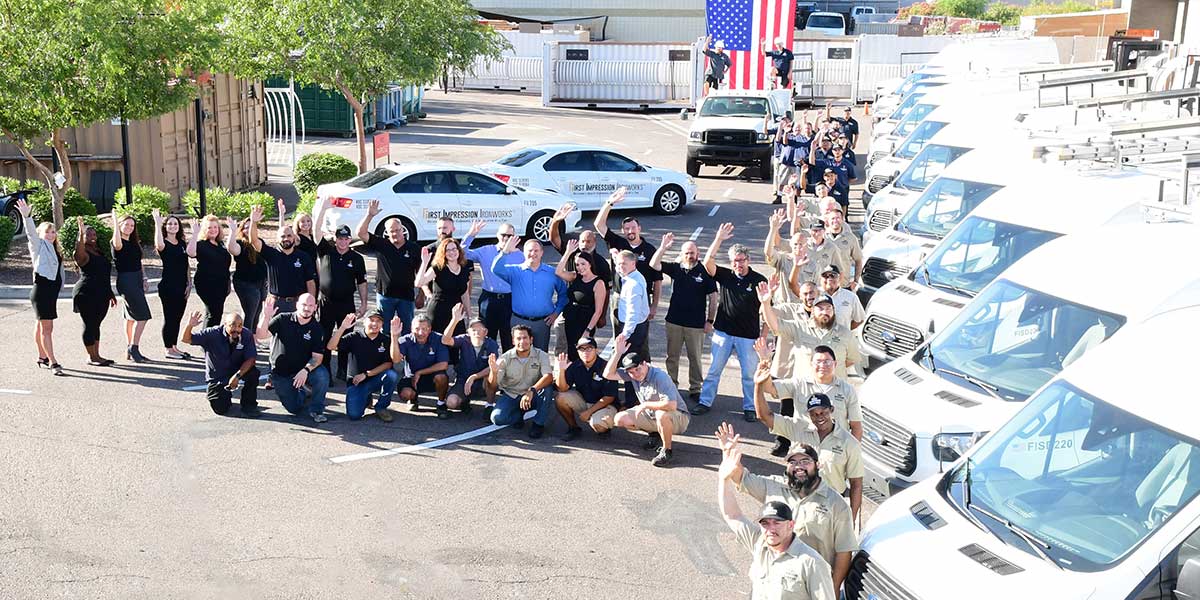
x,y
948,447
694,135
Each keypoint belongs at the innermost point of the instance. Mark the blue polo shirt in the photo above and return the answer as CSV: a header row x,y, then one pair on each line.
x,y
795,149
486,256
472,360
845,172
222,357
536,292
782,61
422,356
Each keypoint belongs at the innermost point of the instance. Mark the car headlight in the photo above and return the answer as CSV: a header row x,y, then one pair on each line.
x,y
949,447
764,137
694,135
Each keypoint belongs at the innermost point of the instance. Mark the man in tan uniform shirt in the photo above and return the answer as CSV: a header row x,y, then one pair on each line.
x,y
806,334
849,248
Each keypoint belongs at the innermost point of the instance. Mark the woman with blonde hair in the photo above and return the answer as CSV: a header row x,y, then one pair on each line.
x,y
212,267
48,276
449,272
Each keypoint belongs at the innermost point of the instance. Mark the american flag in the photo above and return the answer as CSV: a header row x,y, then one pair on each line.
x,y
743,25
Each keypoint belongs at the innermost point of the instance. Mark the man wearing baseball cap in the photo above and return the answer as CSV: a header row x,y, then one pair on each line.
x,y
848,309
341,275
821,517
584,393
369,364
661,411
783,566
806,334
471,371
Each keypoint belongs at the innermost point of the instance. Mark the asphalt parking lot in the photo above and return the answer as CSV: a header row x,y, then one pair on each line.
x,y
121,483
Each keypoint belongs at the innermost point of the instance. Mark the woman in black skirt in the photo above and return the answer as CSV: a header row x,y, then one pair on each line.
x,y
48,278
131,283
212,267
93,294
586,293
249,272
175,286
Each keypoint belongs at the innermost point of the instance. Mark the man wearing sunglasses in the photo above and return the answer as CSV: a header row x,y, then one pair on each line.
x,y
495,301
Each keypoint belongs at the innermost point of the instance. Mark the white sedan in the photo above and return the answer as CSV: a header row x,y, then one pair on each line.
x,y
421,194
586,175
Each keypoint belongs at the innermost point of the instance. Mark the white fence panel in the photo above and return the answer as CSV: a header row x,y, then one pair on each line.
x,y
520,68
616,74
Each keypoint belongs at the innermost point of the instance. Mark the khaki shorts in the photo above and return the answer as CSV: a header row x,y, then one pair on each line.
x,y
601,420
645,421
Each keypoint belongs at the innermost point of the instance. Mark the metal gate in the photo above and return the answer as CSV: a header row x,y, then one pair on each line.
x,y
282,106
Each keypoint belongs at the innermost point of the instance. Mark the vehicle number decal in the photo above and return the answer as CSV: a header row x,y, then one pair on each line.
x,y
1041,445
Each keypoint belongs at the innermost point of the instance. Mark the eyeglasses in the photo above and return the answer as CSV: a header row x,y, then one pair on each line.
x,y
741,260
801,462
823,361
830,275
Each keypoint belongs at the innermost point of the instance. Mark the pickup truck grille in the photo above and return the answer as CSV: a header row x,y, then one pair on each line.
x,y
896,448
877,272
878,182
880,220
729,137
866,581
893,337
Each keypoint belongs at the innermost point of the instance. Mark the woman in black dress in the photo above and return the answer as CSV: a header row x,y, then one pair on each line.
x,y
93,293
174,287
586,293
131,283
449,274
48,276
212,267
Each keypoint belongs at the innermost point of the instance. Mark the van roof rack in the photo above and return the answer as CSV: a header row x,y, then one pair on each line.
x,y
1043,71
1132,149
1091,80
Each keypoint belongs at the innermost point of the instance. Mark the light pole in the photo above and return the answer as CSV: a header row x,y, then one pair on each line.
x,y
200,171
125,160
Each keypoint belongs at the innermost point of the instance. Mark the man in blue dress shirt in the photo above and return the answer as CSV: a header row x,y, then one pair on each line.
x,y
538,295
495,301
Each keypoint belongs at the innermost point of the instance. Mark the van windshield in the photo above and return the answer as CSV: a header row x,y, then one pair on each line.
x,y
825,22
944,204
914,118
1010,340
928,164
905,105
915,142
976,252
912,80
734,106
1081,479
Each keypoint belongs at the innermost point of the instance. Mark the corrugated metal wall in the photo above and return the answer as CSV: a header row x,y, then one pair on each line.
x,y
162,150
618,72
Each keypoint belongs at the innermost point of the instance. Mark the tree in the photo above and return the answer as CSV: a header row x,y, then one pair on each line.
x,y
69,64
1005,14
357,47
971,9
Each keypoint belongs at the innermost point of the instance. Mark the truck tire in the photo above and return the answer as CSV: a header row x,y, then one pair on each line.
x,y
669,200
764,170
693,167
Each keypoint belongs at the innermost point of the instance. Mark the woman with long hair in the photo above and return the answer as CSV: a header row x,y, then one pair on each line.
x,y
449,272
93,293
585,297
249,271
174,287
212,267
131,282
48,276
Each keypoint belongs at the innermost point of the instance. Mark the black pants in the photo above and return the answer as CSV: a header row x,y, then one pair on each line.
x,y
639,342
174,303
92,311
496,311
250,295
787,408
214,305
331,315
220,399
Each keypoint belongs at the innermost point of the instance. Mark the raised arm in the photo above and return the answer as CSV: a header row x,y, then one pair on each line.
x,y
601,220
231,244
656,260
193,320
81,255
319,219
192,241
563,268
465,245
620,347
456,316
364,225
560,215
561,363
729,474
116,236
724,232
397,327
256,215
159,242
762,379
281,214
263,332
774,222
764,302
425,273
335,338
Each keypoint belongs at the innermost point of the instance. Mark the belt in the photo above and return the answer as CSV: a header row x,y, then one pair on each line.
x,y
497,294
520,316
285,298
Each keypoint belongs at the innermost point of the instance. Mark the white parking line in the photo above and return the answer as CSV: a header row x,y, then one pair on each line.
x,y
462,437
17,392
668,125
204,386
696,233
713,212
647,153
728,192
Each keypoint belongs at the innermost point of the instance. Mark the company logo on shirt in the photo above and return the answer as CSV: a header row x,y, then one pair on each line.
x,y
379,349
431,352
698,279
240,346
307,335
596,377
297,264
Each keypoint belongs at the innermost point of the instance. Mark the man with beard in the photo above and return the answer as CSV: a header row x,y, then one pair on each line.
x,y
229,356
341,274
525,381
690,312
783,566
840,462
495,301
847,244
289,271
425,362
297,349
821,330
822,517
847,411
539,296
396,262
631,239
847,307
369,364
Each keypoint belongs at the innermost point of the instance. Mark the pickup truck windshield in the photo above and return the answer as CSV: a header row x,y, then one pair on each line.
x,y
915,142
976,253
1085,480
733,106
825,22
944,204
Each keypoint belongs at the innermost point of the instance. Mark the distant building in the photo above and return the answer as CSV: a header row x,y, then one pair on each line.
x,y
620,20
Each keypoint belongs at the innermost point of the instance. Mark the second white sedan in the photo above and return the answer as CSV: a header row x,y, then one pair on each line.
x,y
586,175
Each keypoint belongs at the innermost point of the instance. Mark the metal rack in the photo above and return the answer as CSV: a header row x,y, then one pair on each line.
x,y
1129,77
803,76
1042,72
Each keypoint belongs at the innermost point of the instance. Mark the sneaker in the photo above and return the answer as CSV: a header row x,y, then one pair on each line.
x,y
604,435
749,416
572,434
536,430
318,417
781,447
701,409
252,413
654,442
663,459
384,415
443,413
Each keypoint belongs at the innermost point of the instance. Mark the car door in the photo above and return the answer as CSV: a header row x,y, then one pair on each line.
x,y
486,199
575,177
616,171
429,195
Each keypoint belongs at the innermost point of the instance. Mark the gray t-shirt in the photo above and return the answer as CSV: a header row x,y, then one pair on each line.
x,y
657,383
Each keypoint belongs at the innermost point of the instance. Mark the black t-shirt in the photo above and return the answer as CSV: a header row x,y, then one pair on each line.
x,y
212,266
689,294
129,258
364,353
340,274
174,266
246,271
590,383
645,251
294,343
737,313
309,247
287,274
396,268
600,265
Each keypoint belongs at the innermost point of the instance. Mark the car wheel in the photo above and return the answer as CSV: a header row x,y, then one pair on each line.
x,y
539,226
693,167
410,230
15,215
670,200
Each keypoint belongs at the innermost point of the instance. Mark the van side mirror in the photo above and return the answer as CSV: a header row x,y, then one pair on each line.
x,y
1187,586
683,114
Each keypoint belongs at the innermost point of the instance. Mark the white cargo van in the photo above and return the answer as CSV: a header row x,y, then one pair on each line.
x,y
923,410
825,24
1088,492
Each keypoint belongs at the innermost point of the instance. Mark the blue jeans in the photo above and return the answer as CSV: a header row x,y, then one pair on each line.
x,y
508,409
395,307
358,395
723,345
294,400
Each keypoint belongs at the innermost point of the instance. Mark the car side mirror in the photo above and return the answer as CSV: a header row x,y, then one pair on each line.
x,y
683,114
510,191
1187,586
642,168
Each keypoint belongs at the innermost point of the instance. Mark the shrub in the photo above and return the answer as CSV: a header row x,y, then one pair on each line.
x,y
1005,14
74,203
920,9
1045,8
8,229
970,9
69,234
222,203
320,168
146,198
306,203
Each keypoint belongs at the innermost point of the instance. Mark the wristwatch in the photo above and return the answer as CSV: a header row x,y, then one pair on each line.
x,y
709,321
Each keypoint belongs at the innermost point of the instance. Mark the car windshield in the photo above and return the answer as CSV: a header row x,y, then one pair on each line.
x,y
911,81
520,158
915,117
1010,340
976,252
944,204
912,145
371,178
733,106
905,105
825,22
928,164
1084,480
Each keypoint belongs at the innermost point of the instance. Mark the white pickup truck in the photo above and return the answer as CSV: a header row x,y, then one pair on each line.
x,y
735,127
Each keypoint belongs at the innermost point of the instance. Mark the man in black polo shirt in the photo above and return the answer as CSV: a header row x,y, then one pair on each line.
x,y
297,344
425,361
691,310
370,365
289,269
583,391
396,263
737,324
343,275
631,239
229,355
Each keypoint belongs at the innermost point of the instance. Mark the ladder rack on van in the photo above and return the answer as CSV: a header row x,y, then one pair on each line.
x,y
1042,72
1128,150
1180,97
1091,80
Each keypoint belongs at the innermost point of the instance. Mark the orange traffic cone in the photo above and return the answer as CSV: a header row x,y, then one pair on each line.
x,y
868,107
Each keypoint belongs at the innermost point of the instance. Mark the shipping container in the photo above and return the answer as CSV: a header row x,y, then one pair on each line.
x,y
520,68
613,74
326,112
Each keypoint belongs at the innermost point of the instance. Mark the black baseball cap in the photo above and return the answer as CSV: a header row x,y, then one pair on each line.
x,y
824,298
819,400
343,231
831,269
373,313
632,360
829,171
775,511
585,341
818,224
